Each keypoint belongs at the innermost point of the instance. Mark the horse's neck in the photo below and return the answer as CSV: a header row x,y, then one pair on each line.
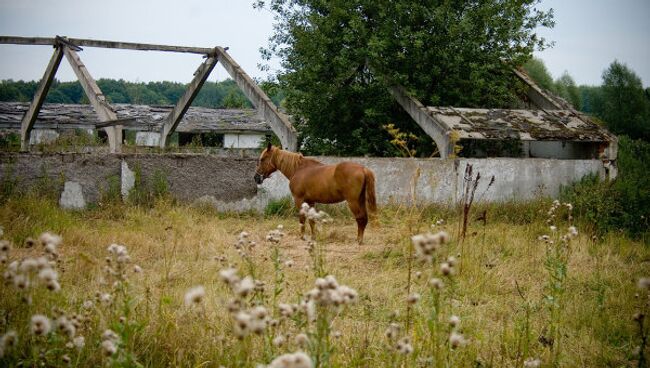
x,y
288,162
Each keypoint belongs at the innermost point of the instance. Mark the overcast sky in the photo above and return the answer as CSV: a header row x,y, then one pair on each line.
x,y
588,36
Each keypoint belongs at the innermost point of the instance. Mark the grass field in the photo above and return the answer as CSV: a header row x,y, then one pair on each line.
x,y
518,300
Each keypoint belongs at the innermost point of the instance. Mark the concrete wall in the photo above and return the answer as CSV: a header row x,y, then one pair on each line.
x,y
227,182
242,140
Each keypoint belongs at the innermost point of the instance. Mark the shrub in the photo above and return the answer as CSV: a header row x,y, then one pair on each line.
x,y
622,204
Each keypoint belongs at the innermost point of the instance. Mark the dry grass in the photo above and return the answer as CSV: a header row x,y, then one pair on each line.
x,y
176,246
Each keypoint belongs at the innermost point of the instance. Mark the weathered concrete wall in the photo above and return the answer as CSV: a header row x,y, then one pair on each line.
x,y
441,181
227,182
233,140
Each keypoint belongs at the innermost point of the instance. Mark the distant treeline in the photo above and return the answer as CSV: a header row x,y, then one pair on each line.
x,y
225,94
621,101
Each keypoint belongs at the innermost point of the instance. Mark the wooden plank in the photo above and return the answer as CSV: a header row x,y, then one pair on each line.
x,y
105,44
97,99
123,121
176,115
278,121
32,112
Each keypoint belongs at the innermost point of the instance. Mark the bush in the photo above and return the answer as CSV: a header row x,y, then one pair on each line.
x,y
622,204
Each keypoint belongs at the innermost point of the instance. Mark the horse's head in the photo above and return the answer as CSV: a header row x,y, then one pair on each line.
x,y
265,165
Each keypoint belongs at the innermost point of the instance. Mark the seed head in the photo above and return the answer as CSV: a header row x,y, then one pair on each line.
x,y
109,348
194,296
446,268
295,360
404,346
436,283
532,363
40,325
8,341
454,321
244,287
413,298
644,283
301,340
456,340
49,238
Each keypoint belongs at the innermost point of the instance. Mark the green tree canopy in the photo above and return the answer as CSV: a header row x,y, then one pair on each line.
x,y
566,88
537,70
624,107
339,56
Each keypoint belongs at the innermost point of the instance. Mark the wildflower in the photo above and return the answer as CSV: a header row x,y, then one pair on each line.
x,y
5,246
65,326
301,340
532,363
436,283
109,348
295,360
21,282
553,228
404,346
194,296
106,298
392,331
110,335
28,265
456,340
452,261
66,359
454,321
427,244
51,239
288,263
88,304
445,268
40,325
8,341
413,298
644,283
278,340
79,342
48,275
349,295
573,232
287,310
244,287
137,269
229,276
242,324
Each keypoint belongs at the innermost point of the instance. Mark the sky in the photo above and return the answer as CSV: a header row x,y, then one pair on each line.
x,y
588,36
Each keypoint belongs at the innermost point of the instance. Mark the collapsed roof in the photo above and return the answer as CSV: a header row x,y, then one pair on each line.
x,y
145,118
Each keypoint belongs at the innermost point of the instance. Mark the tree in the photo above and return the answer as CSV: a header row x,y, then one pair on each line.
x,y
566,88
536,69
624,107
339,57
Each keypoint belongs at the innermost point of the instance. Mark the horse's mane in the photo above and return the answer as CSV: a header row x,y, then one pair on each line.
x,y
288,162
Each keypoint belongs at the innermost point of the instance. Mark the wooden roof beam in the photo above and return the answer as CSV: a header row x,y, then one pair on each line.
x,y
176,115
97,99
31,114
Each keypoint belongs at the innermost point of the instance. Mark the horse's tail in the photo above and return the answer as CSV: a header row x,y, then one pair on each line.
x,y
369,188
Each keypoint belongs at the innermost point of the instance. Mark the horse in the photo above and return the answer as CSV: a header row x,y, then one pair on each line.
x,y
311,182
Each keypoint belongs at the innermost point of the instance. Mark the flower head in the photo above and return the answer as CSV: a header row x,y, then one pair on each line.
x,y
194,296
40,325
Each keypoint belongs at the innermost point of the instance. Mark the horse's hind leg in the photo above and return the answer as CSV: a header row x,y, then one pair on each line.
x,y
360,214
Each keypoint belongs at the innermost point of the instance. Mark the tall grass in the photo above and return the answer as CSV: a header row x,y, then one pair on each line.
x,y
181,306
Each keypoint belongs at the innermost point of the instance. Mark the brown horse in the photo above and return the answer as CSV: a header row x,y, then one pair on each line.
x,y
313,182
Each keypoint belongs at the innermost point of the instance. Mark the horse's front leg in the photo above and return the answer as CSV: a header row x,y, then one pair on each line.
x,y
301,215
312,224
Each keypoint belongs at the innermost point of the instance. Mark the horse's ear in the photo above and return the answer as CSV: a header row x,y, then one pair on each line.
x,y
269,147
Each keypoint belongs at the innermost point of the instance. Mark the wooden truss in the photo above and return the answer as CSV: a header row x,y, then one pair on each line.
x,y
109,121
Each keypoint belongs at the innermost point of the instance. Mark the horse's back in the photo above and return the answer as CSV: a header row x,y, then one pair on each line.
x,y
328,183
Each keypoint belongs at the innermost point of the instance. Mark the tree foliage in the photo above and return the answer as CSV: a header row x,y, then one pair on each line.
x,y
339,57
225,94
625,106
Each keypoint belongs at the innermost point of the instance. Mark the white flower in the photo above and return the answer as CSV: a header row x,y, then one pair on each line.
x,y
79,342
456,340
8,341
229,275
301,340
194,296
295,360
48,275
244,287
644,283
436,283
40,325
49,238
404,346
413,298
454,321
108,347
532,363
